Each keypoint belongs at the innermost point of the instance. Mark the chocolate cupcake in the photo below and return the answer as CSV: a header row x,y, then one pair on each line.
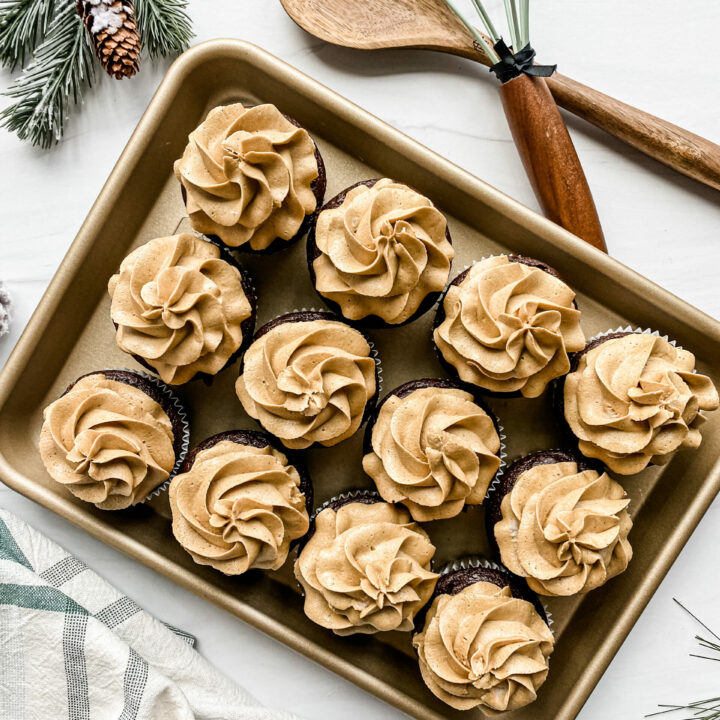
x,y
433,447
484,640
365,566
379,253
240,503
507,325
559,523
251,177
182,307
114,437
633,398
309,378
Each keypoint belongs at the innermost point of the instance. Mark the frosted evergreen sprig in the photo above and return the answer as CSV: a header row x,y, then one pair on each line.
x,y
63,64
708,709
165,27
23,23
62,67
5,305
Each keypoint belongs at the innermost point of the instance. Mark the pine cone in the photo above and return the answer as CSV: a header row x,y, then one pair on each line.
x,y
5,304
114,34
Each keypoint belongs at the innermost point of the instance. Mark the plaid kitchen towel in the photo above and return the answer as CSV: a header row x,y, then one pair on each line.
x,y
72,646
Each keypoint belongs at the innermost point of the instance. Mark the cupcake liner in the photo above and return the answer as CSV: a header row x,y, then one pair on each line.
x,y
635,331
468,562
502,454
185,440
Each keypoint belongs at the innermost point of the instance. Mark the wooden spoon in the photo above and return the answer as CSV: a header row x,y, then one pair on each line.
x,y
431,25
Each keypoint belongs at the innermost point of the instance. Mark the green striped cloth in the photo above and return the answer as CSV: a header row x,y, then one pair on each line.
x,y
72,646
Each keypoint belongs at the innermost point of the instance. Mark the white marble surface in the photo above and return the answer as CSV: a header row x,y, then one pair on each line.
x,y
656,221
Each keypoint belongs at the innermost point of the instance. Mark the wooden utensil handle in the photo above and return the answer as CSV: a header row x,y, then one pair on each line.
x,y
673,146
680,149
549,157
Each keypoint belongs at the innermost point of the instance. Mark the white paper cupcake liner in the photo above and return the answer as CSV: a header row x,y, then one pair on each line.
x,y
636,331
474,561
502,454
185,440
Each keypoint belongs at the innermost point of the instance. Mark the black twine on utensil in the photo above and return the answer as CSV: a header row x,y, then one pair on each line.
x,y
511,65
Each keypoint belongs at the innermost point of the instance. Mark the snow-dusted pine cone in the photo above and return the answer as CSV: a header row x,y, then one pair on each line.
x,y
114,34
5,303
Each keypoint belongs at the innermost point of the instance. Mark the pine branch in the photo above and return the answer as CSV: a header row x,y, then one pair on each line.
x,y
22,26
62,66
701,709
165,28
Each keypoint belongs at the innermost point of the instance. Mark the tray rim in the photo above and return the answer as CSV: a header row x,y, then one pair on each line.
x,y
444,169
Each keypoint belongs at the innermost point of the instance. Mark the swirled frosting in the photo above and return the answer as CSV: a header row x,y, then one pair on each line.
x,y
107,442
634,400
238,507
178,305
308,382
509,327
366,569
434,450
484,648
383,251
563,530
247,175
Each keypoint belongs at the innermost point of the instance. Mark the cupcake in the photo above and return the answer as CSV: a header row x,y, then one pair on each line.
x,y
182,307
239,503
251,177
485,640
308,379
366,566
380,253
634,398
507,324
432,447
559,523
113,438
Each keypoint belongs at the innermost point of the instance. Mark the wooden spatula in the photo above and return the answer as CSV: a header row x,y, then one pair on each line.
x,y
430,24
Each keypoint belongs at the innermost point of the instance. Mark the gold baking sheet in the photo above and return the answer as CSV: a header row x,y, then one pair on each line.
x,y
71,333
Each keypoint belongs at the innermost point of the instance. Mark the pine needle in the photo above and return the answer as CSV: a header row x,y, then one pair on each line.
x,y
165,27
22,25
701,709
62,66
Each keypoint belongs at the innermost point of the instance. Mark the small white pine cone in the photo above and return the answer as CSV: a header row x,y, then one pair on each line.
x,y
5,304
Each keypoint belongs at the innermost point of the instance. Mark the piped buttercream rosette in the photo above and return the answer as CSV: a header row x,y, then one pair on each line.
x,y
507,325
114,438
365,567
432,447
309,378
634,397
240,504
485,641
250,176
380,252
